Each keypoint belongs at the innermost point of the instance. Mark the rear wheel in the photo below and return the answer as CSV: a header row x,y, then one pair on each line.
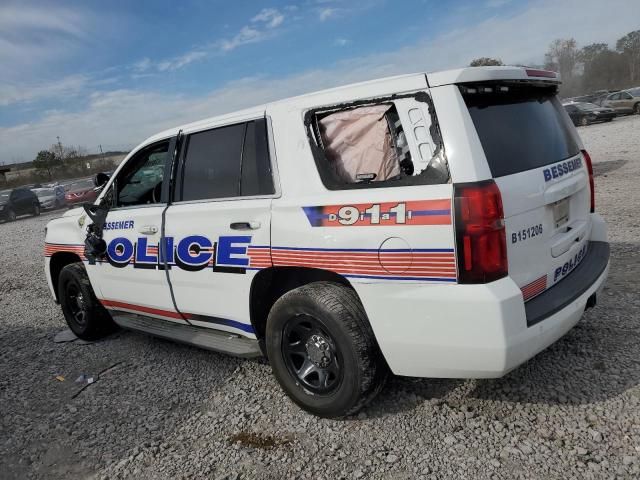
x,y
322,349
84,314
636,108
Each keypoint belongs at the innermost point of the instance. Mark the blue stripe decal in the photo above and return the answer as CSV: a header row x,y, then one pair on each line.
x,y
221,321
421,213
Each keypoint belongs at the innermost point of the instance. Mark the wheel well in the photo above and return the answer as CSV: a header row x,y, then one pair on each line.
x,y
57,263
271,283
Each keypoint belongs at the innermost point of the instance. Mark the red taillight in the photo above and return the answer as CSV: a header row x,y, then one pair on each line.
x,y
533,72
480,232
587,160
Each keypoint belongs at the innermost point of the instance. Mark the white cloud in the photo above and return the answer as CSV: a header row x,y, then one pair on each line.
x,y
181,61
125,116
245,36
270,16
66,87
23,28
326,13
340,42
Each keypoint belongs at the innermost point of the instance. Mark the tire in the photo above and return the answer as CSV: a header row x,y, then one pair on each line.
x,y
36,210
636,108
584,121
322,328
11,215
84,314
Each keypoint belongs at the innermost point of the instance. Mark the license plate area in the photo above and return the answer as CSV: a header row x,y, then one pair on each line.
x,y
561,212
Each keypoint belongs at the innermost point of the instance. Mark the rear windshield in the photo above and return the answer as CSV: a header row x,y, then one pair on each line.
x,y
520,127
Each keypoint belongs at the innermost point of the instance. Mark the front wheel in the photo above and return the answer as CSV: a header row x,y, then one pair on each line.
x,y
584,121
322,349
86,317
11,215
36,210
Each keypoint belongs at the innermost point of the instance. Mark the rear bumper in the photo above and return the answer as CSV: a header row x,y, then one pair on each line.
x,y
476,331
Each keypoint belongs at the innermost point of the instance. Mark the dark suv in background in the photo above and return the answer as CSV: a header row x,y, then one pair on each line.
x,y
582,113
19,201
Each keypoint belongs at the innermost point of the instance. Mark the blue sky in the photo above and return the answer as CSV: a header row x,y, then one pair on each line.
x,y
112,73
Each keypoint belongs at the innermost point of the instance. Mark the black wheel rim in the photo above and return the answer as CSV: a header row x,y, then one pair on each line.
x,y
310,354
76,305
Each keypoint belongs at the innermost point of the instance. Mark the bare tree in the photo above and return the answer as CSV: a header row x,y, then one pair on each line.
x,y
562,57
629,47
486,62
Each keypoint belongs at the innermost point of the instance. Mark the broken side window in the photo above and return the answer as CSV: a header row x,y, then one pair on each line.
x,y
381,143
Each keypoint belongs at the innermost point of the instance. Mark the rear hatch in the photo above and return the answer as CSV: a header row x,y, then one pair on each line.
x,y
534,155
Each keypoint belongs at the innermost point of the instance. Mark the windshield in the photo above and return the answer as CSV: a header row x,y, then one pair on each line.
x,y
44,192
588,107
520,127
635,92
82,185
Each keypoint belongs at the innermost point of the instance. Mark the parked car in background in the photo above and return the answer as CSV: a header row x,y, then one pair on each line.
x,y
623,102
19,201
51,197
582,113
81,192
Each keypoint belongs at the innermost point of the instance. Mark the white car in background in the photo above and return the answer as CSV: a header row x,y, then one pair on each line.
x,y
50,198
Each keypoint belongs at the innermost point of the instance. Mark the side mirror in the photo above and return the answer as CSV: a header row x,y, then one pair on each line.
x,y
100,180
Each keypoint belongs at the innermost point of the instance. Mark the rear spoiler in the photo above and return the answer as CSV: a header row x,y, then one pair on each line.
x,y
488,74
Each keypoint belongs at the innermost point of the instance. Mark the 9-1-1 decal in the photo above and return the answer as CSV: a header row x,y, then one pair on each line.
x,y
413,212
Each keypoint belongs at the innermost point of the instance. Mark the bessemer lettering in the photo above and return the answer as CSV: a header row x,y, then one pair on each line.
x,y
562,169
192,253
121,225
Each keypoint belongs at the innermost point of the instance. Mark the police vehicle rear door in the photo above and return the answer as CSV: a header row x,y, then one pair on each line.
x,y
132,279
219,223
537,161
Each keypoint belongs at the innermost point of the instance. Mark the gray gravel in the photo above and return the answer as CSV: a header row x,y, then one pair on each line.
x,y
162,410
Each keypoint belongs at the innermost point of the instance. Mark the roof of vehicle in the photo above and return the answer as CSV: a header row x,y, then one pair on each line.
x,y
371,89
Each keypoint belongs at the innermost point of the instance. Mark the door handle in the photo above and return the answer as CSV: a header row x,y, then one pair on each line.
x,y
148,229
245,225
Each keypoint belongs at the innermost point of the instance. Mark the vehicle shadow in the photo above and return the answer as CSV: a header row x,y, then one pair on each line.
x,y
603,168
596,361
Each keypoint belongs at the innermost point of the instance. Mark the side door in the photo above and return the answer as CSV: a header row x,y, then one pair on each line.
x,y
132,279
626,102
218,228
614,102
21,201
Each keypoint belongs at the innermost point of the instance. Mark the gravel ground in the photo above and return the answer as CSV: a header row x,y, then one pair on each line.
x,y
162,410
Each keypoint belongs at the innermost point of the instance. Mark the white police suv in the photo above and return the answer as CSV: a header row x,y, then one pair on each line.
x,y
430,225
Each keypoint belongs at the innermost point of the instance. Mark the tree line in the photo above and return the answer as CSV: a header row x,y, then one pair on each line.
x,y
592,67
60,162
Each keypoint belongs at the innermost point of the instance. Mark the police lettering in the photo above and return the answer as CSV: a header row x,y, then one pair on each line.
x,y
562,271
192,253
561,169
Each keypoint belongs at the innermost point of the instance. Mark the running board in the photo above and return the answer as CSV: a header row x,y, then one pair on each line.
x,y
216,340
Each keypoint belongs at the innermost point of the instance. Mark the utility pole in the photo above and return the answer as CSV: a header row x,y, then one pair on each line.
x,y
59,147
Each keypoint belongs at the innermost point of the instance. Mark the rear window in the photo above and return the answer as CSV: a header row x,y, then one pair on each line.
x,y
520,127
